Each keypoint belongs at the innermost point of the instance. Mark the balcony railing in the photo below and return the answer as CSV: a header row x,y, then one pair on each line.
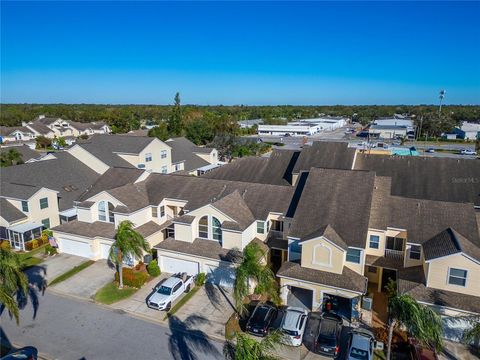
x,y
394,254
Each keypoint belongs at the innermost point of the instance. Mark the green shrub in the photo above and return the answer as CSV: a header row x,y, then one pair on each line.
x,y
153,269
34,243
29,245
200,279
5,244
133,278
50,250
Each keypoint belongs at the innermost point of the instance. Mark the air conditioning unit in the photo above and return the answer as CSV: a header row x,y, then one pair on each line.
x,y
367,303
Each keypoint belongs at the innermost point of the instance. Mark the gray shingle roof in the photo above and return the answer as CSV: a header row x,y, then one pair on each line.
x,y
322,154
24,150
348,279
339,198
9,212
149,228
449,242
114,177
423,219
235,207
40,127
184,150
65,174
329,233
199,247
411,281
441,179
275,170
8,130
83,126
106,147
95,229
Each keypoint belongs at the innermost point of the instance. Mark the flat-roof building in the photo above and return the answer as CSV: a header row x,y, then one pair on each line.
x,y
304,127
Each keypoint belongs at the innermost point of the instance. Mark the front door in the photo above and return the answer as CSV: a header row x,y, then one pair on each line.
x,y
276,259
388,274
16,240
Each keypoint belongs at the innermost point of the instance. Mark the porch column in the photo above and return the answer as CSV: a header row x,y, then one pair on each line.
x,y
380,275
23,242
284,294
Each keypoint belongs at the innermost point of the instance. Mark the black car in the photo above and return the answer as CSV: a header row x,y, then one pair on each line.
x,y
259,322
327,340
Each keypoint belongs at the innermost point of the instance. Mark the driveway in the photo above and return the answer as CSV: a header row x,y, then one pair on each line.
x,y
53,267
137,302
88,281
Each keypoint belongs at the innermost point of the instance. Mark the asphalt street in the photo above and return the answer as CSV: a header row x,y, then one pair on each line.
x,y
65,328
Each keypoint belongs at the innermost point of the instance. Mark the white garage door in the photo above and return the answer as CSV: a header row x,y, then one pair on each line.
x,y
221,275
104,250
76,248
173,266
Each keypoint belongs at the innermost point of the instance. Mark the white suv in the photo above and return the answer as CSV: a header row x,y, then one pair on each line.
x,y
361,344
293,325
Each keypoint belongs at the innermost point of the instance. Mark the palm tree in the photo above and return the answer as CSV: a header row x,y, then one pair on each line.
x,y
12,280
127,241
245,347
472,334
253,270
421,321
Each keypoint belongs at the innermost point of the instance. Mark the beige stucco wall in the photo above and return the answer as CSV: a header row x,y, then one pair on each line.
x,y
318,291
138,217
184,232
381,246
88,159
85,215
212,157
322,255
154,148
35,214
249,234
231,240
437,276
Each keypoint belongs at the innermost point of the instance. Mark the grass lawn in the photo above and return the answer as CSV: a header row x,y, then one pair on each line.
x,y
379,355
182,302
71,272
30,258
110,293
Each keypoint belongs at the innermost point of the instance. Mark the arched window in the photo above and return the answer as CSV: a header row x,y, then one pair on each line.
x,y
209,227
203,227
105,211
216,229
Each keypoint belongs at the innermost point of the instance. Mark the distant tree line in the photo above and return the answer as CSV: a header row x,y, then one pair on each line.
x,y
202,123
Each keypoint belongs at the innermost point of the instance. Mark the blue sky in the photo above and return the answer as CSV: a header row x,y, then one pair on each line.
x,y
240,52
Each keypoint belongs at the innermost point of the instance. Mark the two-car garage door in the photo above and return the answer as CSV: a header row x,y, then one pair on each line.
x,y
173,266
76,248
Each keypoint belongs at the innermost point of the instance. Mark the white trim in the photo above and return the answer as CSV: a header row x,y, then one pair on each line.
x,y
323,238
329,265
458,253
447,308
192,255
103,192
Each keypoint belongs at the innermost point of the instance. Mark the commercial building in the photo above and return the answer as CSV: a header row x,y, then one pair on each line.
x,y
304,127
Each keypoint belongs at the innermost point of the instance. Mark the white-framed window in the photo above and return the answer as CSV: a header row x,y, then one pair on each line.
x,y
148,157
46,223
164,169
163,154
105,211
162,211
154,212
354,255
43,203
374,242
415,252
25,206
260,227
457,277
209,227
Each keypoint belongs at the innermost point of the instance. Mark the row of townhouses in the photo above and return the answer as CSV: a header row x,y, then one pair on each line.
x,y
336,223
51,128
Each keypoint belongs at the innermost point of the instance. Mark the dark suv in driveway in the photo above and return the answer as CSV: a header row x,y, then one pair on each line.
x,y
327,340
259,322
